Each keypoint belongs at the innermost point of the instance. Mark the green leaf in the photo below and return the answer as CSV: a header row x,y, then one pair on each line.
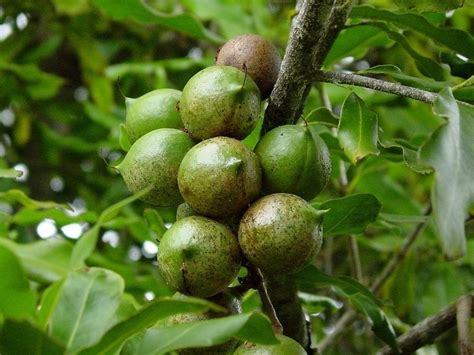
x,y
451,153
358,129
155,222
10,173
27,217
146,317
71,7
425,65
44,261
357,294
429,5
455,39
253,327
18,196
321,115
49,300
17,299
21,337
124,140
137,10
86,307
355,41
349,215
86,244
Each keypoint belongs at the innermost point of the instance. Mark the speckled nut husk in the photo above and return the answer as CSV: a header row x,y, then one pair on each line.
x,y
220,101
253,54
224,299
219,177
287,346
232,222
280,233
198,256
154,159
294,160
154,110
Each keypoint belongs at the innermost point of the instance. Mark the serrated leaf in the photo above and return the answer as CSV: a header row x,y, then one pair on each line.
x,y
455,39
430,5
86,244
358,129
137,10
10,173
85,308
357,294
17,299
253,327
21,337
349,215
146,317
450,152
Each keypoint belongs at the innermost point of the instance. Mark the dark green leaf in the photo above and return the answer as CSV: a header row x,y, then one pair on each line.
x,y
430,5
358,129
320,115
455,39
16,300
85,307
451,153
140,12
20,337
351,214
250,326
146,317
155,222
355,41
359,296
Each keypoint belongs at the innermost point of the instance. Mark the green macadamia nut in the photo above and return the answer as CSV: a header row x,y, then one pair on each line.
x,y
154,110
254,55
220,101
287,346
219,177
154,159
198,256
294,160
280,233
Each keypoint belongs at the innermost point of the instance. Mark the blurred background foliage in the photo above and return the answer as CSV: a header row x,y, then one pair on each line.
x,y
65,67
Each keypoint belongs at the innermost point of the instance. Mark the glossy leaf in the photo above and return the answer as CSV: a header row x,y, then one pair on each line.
x,y
250,326
86,244
358,129
357,294
451,153
137,10
21,337
146,317
85,307
44,261
429,5
17,299
455,39
349,215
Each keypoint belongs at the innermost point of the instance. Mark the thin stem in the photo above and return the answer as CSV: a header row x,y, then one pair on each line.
x,y
348,317
375,84
355,257
428,330
464,310
265,298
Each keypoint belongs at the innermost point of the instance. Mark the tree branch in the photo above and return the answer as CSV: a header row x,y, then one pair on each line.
x,y
309,42
375,84
348,317
427,330
464,310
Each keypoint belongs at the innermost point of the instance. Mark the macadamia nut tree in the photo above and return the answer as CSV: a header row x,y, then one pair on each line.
x,y
236,177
